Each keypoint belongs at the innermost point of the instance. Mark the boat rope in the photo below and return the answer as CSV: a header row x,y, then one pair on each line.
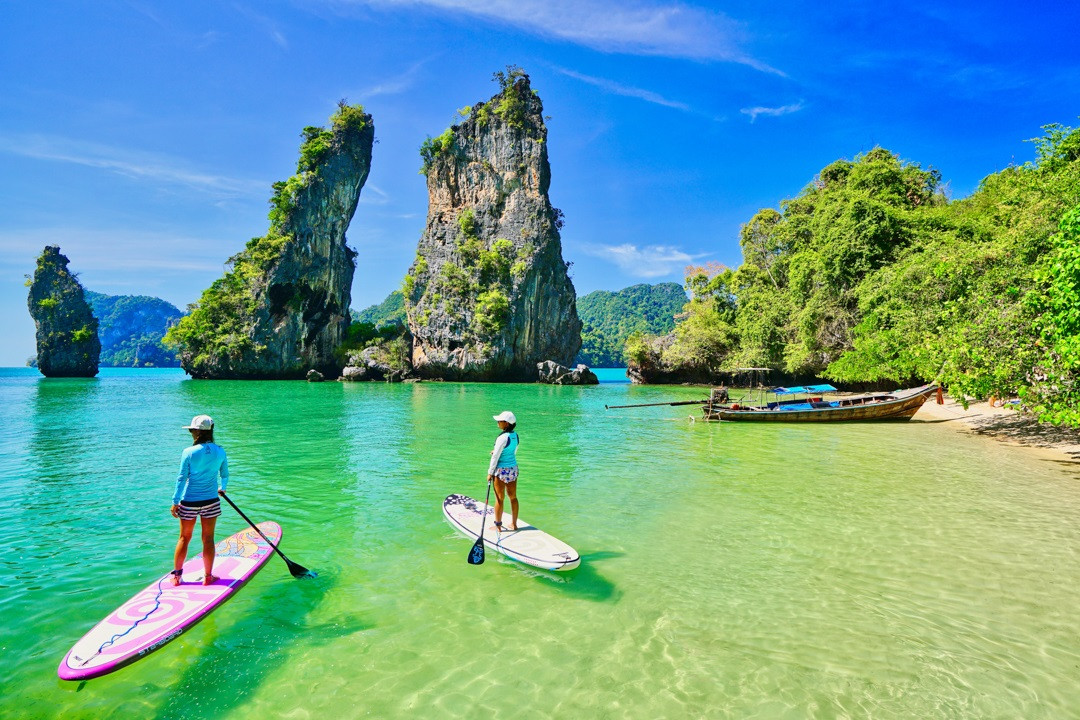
x,y
114,638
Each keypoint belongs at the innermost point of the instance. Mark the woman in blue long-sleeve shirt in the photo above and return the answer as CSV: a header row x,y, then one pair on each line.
x,y
196,494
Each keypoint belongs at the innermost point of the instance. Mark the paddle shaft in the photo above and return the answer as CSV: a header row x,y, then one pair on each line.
x,y
290,563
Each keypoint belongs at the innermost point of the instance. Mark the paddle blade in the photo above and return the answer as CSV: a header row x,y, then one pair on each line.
x,y
299,571
476,554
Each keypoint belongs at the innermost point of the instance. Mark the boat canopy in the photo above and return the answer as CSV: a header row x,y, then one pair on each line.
x,y
803,389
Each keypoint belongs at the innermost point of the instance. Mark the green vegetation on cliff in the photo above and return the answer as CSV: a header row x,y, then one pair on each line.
x,y
131,328
508,106
609,318
872,275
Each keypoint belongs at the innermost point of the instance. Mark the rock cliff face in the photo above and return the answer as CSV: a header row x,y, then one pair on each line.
x,y
283,307
488,296
67,332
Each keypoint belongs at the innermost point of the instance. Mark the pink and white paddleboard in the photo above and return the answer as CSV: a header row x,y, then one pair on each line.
x,y
162,612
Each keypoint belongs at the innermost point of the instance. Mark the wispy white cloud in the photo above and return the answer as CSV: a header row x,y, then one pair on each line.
x,y
393,85
617,88
372,194
754,112
129,163
671,29
650,261
265,24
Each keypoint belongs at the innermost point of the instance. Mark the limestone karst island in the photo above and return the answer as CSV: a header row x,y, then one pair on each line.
x,y
539,360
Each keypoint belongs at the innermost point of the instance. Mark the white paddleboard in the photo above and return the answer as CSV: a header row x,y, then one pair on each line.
x,y
527,544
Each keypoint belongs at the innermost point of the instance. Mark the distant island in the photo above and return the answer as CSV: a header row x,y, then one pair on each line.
x,y
131,328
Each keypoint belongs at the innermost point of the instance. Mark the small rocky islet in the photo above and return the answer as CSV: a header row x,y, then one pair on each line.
x,y
67,331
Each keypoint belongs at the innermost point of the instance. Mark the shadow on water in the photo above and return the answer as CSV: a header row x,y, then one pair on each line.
x,y
228,673
585,582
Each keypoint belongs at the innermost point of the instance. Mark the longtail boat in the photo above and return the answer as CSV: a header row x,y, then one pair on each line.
x,y
786,406
898,405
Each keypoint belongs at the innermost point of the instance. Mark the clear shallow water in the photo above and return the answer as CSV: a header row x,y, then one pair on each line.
x,y
728,570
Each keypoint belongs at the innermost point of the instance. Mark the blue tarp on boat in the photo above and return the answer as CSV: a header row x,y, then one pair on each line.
x,y
810,389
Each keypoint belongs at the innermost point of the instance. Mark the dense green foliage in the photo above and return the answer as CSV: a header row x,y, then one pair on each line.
x,y
872,275
220,324
390,311
1056,304
131,328
609,318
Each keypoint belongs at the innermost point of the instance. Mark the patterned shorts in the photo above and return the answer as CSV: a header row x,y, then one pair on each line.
x,y
211,510
506,475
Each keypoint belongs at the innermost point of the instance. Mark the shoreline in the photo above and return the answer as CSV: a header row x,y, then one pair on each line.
x,y
1059,444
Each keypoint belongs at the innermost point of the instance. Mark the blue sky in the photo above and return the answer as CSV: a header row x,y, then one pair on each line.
x,y
143,137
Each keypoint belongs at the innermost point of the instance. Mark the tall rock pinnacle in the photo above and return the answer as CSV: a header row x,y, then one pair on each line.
x,y
488,296
283,307
67,331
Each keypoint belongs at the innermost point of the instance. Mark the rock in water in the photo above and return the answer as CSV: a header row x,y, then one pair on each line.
x,y
67,331
488,296
553,373
283,307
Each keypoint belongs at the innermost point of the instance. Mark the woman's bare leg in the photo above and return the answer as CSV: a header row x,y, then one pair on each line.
x,y
208,525
511,490
187,527
500,488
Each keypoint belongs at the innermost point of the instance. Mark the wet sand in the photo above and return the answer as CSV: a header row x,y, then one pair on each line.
x,y
1006,425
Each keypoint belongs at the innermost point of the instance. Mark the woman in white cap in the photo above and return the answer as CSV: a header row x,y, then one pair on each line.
x,y
503,470
196,494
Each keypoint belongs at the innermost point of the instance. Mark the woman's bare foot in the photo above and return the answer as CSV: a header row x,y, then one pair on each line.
x,y
175,579
210,579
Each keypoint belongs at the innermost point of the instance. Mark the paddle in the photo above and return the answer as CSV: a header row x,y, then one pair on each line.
x,y
476,554
298,571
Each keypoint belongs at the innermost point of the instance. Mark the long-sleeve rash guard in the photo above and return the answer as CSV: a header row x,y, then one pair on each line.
x,y
200,466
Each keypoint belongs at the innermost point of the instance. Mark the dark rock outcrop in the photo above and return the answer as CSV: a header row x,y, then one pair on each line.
x,y
283,307
67,331
488,296
553,373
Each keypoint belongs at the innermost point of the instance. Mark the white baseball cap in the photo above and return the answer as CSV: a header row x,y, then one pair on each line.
x,y
506,416
201,422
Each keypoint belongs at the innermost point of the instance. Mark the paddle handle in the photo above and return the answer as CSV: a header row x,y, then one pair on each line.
x,y
252,524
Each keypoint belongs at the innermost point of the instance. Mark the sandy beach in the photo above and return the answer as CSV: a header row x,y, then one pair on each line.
x,y
1006,425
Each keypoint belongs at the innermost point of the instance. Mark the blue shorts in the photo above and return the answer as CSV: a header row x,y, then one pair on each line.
x,y
506,475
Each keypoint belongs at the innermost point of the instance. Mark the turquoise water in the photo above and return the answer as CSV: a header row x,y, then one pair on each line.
x,y
886,571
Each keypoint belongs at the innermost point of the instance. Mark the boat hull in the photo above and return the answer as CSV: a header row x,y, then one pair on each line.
x,y
902,407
